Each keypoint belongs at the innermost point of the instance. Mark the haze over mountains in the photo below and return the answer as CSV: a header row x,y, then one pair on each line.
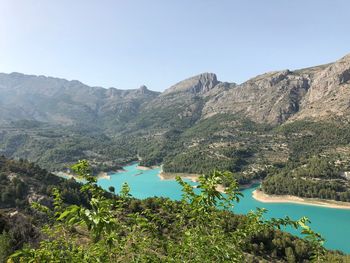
x,y
274,97
43,118
59,101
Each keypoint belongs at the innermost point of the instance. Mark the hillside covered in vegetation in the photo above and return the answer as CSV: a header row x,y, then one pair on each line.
x,y
66,222
270,126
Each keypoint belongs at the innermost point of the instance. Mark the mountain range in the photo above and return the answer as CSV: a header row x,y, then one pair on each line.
x,y
273,97
288,130
41,117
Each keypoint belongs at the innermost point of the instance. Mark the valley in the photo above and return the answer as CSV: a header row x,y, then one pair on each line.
x,y
174,131
261,129
288,130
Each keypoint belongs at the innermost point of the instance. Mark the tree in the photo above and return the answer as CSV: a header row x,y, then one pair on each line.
x,y
5,246
111,189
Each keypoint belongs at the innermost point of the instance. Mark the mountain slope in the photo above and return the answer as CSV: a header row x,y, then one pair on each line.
x,y
272,97
58,101
200,119
319,92
329,94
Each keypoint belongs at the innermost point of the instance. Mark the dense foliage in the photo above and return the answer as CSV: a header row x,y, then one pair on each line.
x,y
319,157
318,177
193,145
123,229
56,148
22,182
307,138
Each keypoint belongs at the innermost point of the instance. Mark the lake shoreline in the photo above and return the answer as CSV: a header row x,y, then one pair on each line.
x,y
265,198
192,177
171,176
252,184
146,168
143,188
104,175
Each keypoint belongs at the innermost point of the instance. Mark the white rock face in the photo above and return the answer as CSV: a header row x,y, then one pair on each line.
x,y
196,85
329,93
271,97
316,93
313,93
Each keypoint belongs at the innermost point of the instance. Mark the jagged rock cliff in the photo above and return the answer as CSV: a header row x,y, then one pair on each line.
x,y
59,101
274,97
199,84
318,92
104,124
329,93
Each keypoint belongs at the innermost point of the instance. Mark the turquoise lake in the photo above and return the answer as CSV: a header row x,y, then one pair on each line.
x,y
333,224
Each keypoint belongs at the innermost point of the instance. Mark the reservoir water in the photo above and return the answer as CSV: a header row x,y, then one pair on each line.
x,y
333,224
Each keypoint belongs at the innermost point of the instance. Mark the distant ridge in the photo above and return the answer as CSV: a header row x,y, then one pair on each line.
x,y
318,92
197,120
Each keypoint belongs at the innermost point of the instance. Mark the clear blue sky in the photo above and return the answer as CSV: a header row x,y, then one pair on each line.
x,y
159,42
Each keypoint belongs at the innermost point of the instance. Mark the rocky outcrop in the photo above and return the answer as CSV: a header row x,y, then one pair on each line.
x,y
181,103
59,101
313,93
143,90
329,93
199,84
272,97
275,97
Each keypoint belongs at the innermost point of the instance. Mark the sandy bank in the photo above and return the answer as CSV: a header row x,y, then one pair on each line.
x,y
265,198
172,176
192,177
145,168
103,175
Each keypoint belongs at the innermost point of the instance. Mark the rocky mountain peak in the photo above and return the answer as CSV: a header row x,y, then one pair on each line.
x,y
274,97
143,89
199,84
330,79
279,76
